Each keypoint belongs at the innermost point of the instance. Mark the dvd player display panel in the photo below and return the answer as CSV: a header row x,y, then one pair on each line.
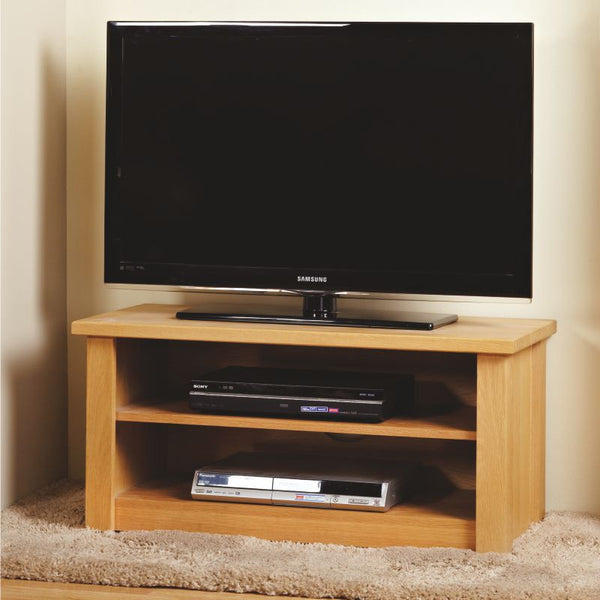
x,y
335,395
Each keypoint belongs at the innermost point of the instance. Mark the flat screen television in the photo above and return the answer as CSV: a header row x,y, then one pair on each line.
x,y
389,158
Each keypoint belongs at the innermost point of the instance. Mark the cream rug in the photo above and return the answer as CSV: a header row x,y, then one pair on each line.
x,y
43,538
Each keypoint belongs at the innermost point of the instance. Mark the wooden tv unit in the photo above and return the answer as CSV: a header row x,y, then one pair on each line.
x,y
479,428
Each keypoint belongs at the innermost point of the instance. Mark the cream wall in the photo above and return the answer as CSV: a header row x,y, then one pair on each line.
x,y
566,210
34,331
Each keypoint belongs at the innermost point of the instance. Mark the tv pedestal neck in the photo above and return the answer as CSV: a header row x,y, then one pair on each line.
x,y
321,309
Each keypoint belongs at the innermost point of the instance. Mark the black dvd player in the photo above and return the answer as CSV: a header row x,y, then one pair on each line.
x,y
329,395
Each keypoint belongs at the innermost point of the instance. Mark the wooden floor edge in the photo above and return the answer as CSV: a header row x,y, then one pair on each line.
x,y
21,589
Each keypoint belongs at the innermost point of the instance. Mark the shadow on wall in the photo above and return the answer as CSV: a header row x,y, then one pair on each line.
x,y
579,396
588,417
37,376
85,207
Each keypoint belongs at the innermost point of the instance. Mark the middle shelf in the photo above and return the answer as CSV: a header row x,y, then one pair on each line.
x,y
457,424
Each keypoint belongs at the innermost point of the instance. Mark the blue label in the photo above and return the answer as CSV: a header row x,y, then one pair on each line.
x,y
311,498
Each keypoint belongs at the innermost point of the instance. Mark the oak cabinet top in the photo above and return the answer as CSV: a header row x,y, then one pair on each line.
x,y
487,335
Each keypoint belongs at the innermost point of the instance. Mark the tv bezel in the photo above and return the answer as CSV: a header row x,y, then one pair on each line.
x,y
350,282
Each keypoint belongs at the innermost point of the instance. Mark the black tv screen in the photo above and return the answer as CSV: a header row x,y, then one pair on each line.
x,y
379,157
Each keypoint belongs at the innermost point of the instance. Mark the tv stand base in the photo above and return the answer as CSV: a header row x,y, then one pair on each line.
x,y
321,309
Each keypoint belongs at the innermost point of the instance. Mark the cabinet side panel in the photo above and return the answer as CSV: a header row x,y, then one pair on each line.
x,y
100,432
493,497
510,449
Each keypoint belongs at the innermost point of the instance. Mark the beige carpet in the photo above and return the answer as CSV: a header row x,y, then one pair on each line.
x,y
43,538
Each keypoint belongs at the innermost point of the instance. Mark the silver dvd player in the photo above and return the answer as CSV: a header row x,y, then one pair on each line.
x,y
373,485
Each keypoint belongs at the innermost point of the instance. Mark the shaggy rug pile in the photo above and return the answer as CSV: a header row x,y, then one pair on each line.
x,y
43,538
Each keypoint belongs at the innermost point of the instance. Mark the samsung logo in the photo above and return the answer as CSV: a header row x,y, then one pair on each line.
x,y
311,279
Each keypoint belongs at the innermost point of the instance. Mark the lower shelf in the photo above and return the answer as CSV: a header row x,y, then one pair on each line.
x,y
449,521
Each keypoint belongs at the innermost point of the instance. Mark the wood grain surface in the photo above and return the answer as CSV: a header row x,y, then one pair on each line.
x,y
510,446
469,334
458,424
16,589
448,521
